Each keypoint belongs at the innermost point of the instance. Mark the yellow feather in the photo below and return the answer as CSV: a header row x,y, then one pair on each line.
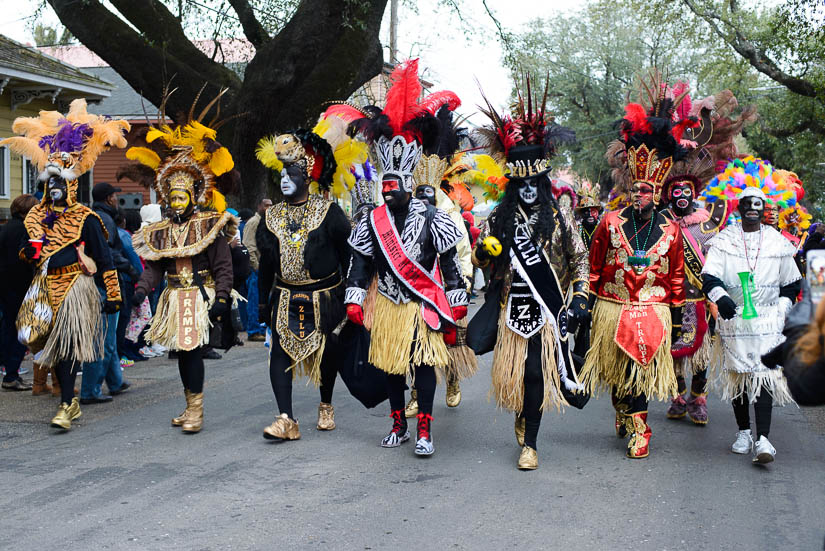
x,y
488,166
221,162
27,147
322,127
144,156
154,134
31,127
265,152
216,200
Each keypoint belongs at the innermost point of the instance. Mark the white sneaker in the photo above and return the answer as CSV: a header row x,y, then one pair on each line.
x,y
763,451
159,349
147,352
424,446
744,442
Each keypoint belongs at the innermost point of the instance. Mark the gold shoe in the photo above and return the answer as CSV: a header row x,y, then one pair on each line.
x,y
519,428
529,459
453,395
283,428
66,413
194,421
412,406
180,419
326,417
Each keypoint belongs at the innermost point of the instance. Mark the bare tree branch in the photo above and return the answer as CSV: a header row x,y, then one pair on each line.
x,y
252,28
754,55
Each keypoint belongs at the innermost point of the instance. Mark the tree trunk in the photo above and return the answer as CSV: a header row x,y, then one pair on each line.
x,y
325,52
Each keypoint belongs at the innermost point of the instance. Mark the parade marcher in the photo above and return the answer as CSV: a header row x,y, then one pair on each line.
x,y
304,255
190,173
691,351
428,176
60,318
637,278
588,211
410,245
751,276
536,258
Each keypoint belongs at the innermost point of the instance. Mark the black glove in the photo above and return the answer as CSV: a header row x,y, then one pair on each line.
x,y
29,252
138,298
264,314
219,308
577,314
727,308
111,306
133,273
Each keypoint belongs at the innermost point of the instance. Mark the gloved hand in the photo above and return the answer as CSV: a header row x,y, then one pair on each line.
x,y
138,298
355,313
578,314
219,308
29,252
111,306
450,336
727,308
264,314
458,312
133,273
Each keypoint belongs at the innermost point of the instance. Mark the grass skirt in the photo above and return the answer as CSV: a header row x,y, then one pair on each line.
x,y
697,362
164,327
463,362
77,333
731,385
509,357
400,338
607,366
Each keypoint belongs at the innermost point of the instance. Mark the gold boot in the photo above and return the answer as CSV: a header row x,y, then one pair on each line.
x,y
40,380
180,419
412,406
66,413
453,394
282,428
519,428
529,459
326,417
194,421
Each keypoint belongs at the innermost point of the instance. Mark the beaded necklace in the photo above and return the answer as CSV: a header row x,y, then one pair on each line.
x,y
640,259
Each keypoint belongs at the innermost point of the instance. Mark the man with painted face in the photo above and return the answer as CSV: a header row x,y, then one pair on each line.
x,y
691,351
637,282
588,211
304,256
61,317
536,258
751,276
410,246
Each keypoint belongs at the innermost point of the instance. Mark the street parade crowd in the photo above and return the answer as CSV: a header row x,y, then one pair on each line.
x,y
689,271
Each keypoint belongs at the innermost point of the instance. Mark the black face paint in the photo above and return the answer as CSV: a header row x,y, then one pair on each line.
x,y
590,217
681,199
58,191
293,183
395,197
751,209
426,194
528,191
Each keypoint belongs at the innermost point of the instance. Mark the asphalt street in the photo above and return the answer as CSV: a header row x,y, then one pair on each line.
x,y
123,478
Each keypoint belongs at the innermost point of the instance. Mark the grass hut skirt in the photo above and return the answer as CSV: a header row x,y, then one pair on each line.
x,y
78,332
607,366
166,323
400,338
463,363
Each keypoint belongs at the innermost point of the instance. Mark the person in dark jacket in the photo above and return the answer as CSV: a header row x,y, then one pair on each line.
x,y
17,276
108,367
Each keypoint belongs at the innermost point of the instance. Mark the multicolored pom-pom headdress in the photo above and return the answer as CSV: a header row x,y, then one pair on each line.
x,y
185,157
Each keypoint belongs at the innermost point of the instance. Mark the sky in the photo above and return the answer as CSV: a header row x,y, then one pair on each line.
x,y
448,58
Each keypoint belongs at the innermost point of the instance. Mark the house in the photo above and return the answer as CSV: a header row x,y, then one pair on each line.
x,y
31,81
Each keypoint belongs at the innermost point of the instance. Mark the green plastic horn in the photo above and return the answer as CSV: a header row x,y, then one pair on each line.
x,y
748,311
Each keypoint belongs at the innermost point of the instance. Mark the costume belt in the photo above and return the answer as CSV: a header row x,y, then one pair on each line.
x,y
324,284
185,281
68,269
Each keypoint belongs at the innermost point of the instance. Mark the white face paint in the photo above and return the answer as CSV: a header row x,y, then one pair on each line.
x,y
528,192
56,194
288,187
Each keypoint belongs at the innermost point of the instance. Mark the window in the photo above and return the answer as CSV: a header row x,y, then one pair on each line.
x,y
29,176
5,183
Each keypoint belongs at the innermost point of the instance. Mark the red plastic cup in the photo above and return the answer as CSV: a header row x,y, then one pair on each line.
x,y
38,245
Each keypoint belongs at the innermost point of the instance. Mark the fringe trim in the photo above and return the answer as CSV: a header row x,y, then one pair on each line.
x,y
310,366
607,366
70,337
164,327
400,338
369,303
509,358
731,385
463,362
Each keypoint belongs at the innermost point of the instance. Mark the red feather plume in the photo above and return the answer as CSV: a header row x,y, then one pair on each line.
x,y
434,101
636,115
345,111
680,127
402,96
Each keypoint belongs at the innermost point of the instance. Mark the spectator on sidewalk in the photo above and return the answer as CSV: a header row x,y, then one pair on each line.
x,y
127,354
255,331
108,367
16,276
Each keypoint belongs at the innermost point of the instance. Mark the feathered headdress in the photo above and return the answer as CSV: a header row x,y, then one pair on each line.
x,y
488,174
588,195
68,145
185,156
527,137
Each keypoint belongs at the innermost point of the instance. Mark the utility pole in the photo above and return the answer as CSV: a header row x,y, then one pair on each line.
x,y
393,31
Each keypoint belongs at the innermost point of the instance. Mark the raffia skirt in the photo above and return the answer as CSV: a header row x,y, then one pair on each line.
x,y
77,334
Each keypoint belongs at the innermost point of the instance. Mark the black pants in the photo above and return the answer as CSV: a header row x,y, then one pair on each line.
x,y
698,384
533,392
424,386
635,404
761,407
280,376
66,372
190,365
